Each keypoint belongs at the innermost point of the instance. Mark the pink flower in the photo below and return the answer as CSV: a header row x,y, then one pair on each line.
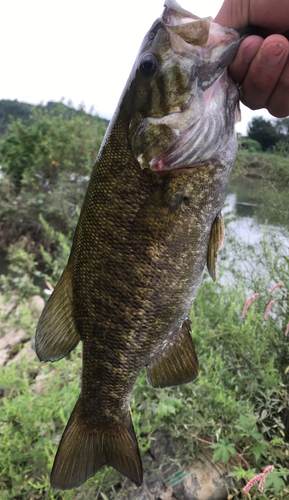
x,y
248,303
261,478
287,330
275,286
268,309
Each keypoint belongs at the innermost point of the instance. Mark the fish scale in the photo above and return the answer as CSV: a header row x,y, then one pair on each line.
x,y
149,225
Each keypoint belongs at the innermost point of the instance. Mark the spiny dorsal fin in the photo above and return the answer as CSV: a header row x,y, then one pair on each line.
x,y
56,333
215,244
84,449
177,364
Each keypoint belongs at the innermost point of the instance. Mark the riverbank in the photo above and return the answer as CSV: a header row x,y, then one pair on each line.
x,y
236,414
239,402
269,173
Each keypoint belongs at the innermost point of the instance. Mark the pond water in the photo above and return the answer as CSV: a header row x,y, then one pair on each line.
x,y
247,230
240,198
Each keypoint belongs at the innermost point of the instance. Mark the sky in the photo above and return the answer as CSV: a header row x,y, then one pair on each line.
x,y
80,50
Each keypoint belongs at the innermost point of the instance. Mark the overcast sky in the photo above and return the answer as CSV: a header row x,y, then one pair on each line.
x,y
81,50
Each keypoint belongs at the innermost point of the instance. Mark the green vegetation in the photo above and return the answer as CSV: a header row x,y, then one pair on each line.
x,y
23,111
270,165
264,132
46,162
268,134
239,403
240,400
16,109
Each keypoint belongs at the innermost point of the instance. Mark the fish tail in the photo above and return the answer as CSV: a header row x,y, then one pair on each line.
x,y
85,448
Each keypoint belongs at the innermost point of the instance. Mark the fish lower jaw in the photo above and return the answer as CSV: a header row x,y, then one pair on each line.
x,y
158,166
161,166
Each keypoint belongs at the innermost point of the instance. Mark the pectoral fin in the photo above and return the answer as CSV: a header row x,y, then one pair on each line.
x,y
215,244
56,333
177,364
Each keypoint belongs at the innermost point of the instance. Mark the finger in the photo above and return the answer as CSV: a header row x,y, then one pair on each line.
x,y
245,55
264,72
278,104
273,15
234,13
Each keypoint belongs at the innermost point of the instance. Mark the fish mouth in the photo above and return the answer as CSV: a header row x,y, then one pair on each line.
x,y
202,133
202,129
208,136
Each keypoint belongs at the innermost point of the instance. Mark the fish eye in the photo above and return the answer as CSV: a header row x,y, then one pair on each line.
x,y
148,64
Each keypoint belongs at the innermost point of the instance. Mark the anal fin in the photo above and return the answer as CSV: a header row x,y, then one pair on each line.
x,y
177,364
56,333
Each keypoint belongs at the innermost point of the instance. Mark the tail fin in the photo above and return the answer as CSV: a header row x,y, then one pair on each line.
x,y
84,450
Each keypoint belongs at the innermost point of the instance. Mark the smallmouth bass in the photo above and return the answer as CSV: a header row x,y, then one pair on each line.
x,y
150,223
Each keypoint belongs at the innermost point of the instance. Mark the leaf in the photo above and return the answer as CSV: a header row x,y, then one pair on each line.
x,y
238,473
274,480
259,449
225,456
231,449
277,440
216,455
257,436
168,407
222,450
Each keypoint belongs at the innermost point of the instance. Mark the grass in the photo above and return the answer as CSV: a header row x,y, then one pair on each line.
x,y
239,401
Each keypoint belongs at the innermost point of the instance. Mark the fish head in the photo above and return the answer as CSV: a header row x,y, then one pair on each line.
x,y
180,100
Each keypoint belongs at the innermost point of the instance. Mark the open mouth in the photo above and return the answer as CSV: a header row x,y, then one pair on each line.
x,y
200,131
190,118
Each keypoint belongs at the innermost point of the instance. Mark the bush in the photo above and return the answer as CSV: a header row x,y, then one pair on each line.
x,y
250,145
46,162
263,131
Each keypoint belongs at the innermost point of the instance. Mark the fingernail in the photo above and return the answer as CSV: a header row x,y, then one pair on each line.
x,y
250,52
273,53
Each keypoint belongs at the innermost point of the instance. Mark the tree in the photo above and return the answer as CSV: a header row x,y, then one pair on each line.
x,y
14,108
46,162
282,127
264,132
54,141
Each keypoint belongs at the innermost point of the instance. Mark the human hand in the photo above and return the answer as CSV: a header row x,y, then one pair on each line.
x,y
261,66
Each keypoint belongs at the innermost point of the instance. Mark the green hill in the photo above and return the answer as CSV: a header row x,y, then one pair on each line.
x,y
23,110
